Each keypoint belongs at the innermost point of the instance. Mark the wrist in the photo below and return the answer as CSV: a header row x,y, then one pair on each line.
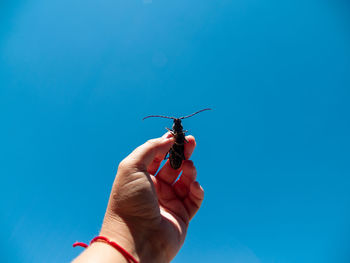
x,y
143,246
100,252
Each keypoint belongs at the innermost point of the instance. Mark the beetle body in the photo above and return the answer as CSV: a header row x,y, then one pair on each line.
x,y
176,152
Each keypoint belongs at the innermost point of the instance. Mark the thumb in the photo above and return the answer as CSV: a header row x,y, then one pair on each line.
x,y
144,155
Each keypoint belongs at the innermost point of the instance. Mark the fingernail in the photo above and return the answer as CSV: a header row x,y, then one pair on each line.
x,y
198,186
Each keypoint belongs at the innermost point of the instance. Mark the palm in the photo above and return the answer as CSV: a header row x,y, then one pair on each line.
x,y
172,208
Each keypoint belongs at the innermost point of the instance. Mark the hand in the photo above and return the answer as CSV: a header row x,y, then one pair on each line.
x,y
148,213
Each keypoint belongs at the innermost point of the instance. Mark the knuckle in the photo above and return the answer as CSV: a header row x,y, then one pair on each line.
x,y
189,165
152,142
131,165
123,164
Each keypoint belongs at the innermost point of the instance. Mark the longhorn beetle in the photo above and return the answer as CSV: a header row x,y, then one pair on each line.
x,y
176,152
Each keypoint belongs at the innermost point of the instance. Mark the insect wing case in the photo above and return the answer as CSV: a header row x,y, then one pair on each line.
x,y
176,152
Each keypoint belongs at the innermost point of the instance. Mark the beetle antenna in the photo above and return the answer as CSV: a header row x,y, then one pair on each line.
x,y
193,113
160,116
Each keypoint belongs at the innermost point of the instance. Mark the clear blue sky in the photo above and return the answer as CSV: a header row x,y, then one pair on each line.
x,y
76,78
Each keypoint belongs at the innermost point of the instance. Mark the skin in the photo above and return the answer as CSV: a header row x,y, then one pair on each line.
x,y
148,212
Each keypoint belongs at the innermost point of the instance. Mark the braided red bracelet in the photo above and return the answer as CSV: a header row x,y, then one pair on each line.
x,y
125,253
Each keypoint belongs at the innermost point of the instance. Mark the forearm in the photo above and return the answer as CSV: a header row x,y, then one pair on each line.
x,y
100,252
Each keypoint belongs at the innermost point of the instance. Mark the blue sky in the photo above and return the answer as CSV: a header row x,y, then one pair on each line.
x,y
77,77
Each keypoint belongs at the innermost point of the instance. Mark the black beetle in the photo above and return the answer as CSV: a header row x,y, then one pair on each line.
x,y
176,152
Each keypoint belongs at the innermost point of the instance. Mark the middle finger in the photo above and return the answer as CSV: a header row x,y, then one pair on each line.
x,y
167,174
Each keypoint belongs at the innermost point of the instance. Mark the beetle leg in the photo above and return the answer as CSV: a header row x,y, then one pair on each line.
x,y
170,130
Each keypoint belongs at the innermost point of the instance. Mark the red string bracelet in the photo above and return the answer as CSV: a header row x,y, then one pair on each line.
x,y
125,253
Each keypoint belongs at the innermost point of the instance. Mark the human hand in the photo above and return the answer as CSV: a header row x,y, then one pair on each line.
x,y
149,213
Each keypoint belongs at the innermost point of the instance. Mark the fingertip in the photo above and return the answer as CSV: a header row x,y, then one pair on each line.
x,y
168,139
165,140
191,139
189,146
153,148
197,185
188,164
167,135
197,190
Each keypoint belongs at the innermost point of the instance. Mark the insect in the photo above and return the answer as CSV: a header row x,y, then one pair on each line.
x,y
176,152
